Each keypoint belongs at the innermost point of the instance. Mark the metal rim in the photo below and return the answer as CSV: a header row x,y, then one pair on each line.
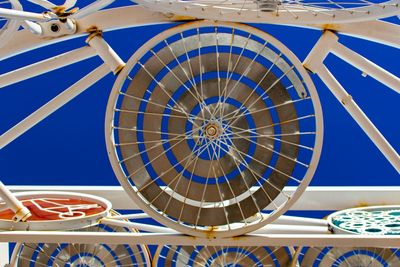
x,y
171,256
8,27
279,11
64,223
374,220
257,219
27,254
349,257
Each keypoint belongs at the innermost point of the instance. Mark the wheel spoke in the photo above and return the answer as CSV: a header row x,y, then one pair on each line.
x,y
202,144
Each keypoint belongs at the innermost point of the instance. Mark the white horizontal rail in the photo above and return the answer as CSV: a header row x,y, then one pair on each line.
x,y
314,198
319,240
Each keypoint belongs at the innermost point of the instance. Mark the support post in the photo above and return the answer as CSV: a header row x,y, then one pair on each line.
x,y
105,51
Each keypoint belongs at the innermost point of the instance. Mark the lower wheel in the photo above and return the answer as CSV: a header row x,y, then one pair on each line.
x,y
350,257
171,256
207,125
43,254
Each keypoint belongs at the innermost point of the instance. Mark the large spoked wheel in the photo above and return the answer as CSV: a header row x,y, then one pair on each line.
x,y
279,11
208,123
8,27
43,254
190,256
349,257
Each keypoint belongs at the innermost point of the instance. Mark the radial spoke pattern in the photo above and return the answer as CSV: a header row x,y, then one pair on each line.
x,y
280,11
37,255
171,256
211,124
382,220
349,257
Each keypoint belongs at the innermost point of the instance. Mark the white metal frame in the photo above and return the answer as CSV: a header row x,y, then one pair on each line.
x,y
284,204
215,10
328,43
132,16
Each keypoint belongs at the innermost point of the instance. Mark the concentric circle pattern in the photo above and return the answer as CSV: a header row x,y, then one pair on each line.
x,y
350,257
199,256
209,124
279,11
82,255
370,220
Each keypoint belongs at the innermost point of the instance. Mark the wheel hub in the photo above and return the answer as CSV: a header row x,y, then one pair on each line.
x,y
212,131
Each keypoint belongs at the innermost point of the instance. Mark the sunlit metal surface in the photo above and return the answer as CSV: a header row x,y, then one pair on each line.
x,y
68,254
172,256
206,113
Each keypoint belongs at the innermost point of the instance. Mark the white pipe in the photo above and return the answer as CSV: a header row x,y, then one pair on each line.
x,y
359,116
138,226
291,229
105,20
367,66
378,31
106,53
91,8
294,220
23,15
53,105
46,65
21,212
317,240
33,27
313,198
133,216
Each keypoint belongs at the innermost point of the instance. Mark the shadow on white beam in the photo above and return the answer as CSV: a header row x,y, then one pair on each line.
x,y
314,198
320,240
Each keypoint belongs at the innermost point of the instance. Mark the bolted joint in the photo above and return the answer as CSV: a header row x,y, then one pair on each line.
x,y
104,50
93,32
320,51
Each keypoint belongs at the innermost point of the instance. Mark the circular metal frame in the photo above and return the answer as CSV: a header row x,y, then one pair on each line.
x,y
278,11
39,254
375,220
215,230
349,257
190,256
63,223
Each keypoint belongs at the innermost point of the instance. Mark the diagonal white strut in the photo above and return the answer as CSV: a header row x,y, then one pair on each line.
x,y
328,43
53,105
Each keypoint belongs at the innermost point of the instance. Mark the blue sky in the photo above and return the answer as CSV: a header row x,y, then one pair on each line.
x,y
68,148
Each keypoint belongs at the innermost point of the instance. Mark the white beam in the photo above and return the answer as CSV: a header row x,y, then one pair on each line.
x,y
314,198
57,102
105,20
319,240
46,65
